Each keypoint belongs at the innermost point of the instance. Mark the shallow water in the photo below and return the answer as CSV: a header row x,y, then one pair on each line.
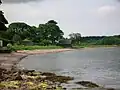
x,y
99,65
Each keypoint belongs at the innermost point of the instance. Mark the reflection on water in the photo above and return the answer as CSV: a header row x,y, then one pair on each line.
x,y
99,65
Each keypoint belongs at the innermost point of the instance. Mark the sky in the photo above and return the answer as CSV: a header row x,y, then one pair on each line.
x,y
88,17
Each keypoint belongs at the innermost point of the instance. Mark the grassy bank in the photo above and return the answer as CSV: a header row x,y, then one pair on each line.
x,y
94,46
22,47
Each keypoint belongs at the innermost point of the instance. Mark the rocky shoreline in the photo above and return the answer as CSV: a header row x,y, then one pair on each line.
x,y
30,80
12,78
16,79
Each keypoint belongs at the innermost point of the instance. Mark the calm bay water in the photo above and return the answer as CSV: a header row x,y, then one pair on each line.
x,y
99,65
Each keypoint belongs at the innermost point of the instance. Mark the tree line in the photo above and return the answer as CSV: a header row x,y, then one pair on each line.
x,y
77,39
101,40
45,34
51,34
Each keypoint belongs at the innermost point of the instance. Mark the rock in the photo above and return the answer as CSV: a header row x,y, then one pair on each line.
x,y
36,73
110,89
18,77
87,84
30,80
28,71
42,77
10,84
61,79
48,74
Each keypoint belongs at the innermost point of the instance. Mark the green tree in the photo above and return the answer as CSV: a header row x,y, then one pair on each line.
x,y
3,21
109,41
52,21
20,30
3,28
50,31
45,34
75,37
33,34
54,32
41,33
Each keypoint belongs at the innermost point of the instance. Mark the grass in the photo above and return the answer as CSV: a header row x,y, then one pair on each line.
x,y
35,47
22,47
94,46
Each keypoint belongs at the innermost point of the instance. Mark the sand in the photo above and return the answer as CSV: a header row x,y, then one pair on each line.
x,y
8,61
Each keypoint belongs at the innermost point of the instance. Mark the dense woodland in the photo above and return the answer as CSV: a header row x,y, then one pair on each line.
x,y
51,34
101,40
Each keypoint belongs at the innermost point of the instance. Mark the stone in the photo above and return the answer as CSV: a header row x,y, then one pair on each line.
x,y
87,84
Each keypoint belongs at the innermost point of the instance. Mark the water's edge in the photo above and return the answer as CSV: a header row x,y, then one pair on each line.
x,y
82,49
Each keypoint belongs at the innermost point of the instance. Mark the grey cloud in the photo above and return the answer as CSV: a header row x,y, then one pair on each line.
x,y
19,1
86,20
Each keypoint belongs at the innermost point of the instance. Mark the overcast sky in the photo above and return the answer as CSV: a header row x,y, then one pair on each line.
x,y
88,17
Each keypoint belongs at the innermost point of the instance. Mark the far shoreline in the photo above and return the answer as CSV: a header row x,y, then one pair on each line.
x,y
9,61
95,46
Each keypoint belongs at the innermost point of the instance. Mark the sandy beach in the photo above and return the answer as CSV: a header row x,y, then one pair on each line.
x,y
8,61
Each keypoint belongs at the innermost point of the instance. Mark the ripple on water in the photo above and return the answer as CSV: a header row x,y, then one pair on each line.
x,y
99,65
